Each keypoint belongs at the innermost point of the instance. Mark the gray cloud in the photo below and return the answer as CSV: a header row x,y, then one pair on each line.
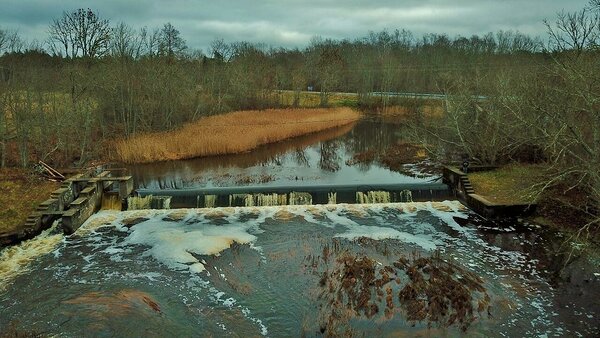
x,y
293,23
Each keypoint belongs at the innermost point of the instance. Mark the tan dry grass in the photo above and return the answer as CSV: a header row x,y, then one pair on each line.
x,y
20,194
231,133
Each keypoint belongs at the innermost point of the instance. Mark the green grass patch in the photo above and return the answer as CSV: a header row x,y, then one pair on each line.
x,y
511,184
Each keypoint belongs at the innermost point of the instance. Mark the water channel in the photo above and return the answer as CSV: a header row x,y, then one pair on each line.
x,y
299,269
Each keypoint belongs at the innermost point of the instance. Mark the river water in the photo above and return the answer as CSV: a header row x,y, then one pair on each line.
x,y
298,270
319,158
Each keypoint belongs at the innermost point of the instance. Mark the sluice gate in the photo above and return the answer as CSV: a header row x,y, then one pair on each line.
x,y
74,202
288,195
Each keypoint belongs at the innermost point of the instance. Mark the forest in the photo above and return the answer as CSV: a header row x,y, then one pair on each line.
x,y
508,96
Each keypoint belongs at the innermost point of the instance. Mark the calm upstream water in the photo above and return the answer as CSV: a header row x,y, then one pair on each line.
x,y
319,158
317,270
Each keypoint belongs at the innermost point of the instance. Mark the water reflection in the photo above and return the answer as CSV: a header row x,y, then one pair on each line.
x,y
318,158
301,158
329,160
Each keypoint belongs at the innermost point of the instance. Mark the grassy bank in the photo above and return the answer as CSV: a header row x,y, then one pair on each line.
x,y
20,193
231,133
516,183
508,185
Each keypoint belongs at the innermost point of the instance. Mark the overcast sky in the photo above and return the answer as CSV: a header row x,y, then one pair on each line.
x,y
292,23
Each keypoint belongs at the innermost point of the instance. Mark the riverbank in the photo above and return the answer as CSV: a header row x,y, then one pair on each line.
x,y
231,133
20,193
520,184
508,185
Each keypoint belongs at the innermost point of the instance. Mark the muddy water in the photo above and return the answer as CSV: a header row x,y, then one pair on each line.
x,y
258,271
319,158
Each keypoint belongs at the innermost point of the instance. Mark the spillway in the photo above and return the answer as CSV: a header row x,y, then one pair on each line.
x,y
294,195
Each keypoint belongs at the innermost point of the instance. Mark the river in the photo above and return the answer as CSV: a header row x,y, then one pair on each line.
x,y
355,269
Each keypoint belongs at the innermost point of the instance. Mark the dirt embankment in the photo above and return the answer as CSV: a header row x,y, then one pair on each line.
x,y
20,193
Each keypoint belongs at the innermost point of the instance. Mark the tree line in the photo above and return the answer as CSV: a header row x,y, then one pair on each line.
x,y
548,112
116,81
510,96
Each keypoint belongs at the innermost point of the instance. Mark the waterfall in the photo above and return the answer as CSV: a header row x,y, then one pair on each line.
x,y
271,199
241,200
259,200
267,199
160,202
405,196
371,197
210,201
148,202
111,202
139,203
300,198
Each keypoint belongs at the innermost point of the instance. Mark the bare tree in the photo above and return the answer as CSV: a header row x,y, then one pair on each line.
x,y
510,42
220,50
61,38
3,40
559,111
171,43
79,33
5,131
125,43
575,31
10,41
326,58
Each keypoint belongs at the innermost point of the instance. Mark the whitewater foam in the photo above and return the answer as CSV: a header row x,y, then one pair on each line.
x,y
16,260
199,232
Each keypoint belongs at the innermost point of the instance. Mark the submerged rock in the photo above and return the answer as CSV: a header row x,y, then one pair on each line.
x,y
106,312
129,222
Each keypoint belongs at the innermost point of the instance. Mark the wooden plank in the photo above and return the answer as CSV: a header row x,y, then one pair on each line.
x,y
105,173
123,170
78,202
104,179
88,190
52,213
51,170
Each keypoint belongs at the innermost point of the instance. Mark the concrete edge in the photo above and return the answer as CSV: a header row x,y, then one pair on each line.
x,y
460,184
78,197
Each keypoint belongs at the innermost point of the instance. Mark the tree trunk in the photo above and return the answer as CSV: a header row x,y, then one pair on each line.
x,y
3,154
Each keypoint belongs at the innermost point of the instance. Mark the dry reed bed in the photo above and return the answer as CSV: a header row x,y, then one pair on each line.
x,y
231,133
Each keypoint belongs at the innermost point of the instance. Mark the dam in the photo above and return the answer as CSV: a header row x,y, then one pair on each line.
x,y
297,195
290,242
